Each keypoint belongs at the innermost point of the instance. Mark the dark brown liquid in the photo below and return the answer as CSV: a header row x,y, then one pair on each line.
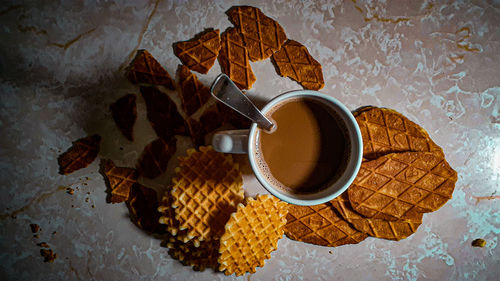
x,y
306,150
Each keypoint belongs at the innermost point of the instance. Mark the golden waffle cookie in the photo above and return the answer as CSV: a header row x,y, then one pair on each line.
x,y
206,189
155,157
162,114
320,225
294,61
120,181
143,208
392,230
262,35
251,234
199,53
402,185
198,257
125,113
234,61
146,69
387,131
80,155
193,93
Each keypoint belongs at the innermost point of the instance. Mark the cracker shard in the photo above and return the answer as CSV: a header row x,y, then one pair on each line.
x,y
193,93
80,155
402,185
294,61
199,53
144,68
143,206
125,114
120,181
251,234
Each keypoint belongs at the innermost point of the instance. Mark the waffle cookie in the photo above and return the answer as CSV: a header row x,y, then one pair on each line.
x,y
146,69
120,180
294,61
388,131
154,159
199,53
125,113
143,206
199,257
320,225
206,189
251,234
262,35
193,93
402,185
234,60
162,114
80,155
392,230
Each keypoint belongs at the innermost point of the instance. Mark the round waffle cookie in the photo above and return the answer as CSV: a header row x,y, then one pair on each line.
x,y
251,234
206,189
392,230
320,225
402,185
387,131
199,257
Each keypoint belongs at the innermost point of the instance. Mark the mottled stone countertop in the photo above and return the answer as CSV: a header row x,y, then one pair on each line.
x,y
61,66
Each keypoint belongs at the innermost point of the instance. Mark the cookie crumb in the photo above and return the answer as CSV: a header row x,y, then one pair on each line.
x,y
43,245
34,227
48,254
479,243
70,191
36,236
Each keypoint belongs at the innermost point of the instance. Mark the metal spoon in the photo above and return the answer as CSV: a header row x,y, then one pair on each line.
x,y
224,90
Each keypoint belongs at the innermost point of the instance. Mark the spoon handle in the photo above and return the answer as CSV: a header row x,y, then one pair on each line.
x,y
225,91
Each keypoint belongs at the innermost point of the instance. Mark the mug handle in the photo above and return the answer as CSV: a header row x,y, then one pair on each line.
x,y
232,141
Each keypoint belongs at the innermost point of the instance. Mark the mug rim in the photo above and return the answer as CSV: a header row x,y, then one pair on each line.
x,y
283,196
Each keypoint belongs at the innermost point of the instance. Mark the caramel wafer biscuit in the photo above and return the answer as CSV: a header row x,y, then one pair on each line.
x,y
387,131
143,206
251,234
193,93
199,53
125,113
320,225
79,155
262,35
402,185
234,61
120,180
146,69
154,159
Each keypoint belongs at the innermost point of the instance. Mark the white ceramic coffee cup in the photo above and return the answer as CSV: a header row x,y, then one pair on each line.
x,y
244,141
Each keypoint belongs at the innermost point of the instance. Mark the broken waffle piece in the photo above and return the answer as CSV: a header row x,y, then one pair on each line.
x,y
120,181
206,189
146,69
388,131
199,53
193,93
402,185
80,155
251,234
143,209
125,114
162,114
211,119
294,61
154,159
234,60
320,225
262,35
392,230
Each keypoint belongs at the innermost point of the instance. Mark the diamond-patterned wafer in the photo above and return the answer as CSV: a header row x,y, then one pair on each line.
x,y
206,189
320,225
80,155
199,53
262,35
294,61
146,69
120,181
234,60
143,208
211,119
251,234
387,131
199,257
402,185
155,157
392,230
162,114
193,93
125,113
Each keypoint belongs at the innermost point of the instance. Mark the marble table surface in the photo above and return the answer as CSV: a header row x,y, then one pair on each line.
x,y
62,65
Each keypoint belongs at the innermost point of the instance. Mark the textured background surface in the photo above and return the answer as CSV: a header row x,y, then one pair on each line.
x,y
61,66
